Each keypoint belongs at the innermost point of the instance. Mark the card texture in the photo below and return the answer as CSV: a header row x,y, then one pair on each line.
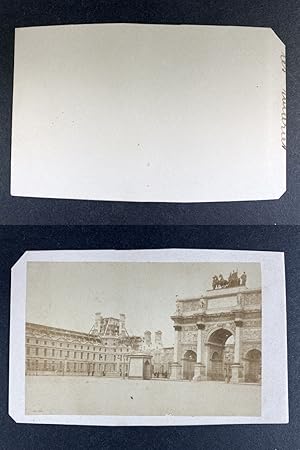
x,y
148,337
152,113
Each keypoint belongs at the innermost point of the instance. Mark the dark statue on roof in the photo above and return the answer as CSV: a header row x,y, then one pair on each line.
x,y
234,280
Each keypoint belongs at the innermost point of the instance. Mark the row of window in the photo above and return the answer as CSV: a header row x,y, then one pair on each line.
x,y
67,354
40,342
37,365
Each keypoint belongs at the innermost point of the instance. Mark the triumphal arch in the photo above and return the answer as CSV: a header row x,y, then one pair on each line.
x,y
218,335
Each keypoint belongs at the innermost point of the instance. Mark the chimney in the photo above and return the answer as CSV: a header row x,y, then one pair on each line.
x,y
147,337
98,321
122,325
158,337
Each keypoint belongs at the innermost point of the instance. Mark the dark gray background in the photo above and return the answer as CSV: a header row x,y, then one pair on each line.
x,y
282,16
14,241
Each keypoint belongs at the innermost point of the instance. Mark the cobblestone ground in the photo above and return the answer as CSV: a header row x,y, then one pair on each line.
x,y
114,396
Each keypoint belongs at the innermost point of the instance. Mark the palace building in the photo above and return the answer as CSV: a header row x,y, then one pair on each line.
x,y
104,351
218,336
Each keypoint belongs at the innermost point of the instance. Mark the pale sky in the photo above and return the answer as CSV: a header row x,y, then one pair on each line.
x,y
67,295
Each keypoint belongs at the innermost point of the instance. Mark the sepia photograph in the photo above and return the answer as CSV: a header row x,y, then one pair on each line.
x,y
119,338
138,338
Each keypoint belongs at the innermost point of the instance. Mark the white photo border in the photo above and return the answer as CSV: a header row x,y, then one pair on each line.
x,y
274,338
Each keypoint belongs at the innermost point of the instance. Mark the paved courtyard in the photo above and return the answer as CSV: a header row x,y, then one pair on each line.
x,y
114,396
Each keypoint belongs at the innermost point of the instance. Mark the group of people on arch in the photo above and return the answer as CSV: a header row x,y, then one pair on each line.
x,y
234,280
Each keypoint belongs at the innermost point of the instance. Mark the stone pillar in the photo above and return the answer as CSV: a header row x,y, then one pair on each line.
x,y
175,366
199,366
236,361
200,327
177,329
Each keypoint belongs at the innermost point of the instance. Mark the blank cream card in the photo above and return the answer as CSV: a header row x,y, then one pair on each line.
x,y
162,113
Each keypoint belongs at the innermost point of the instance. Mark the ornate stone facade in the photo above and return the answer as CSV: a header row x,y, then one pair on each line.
x,y
218,336
58,351
104,351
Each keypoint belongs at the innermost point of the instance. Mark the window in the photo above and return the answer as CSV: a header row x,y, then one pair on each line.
x,y
60,353
60,344
53,352
27,340
36,351
45,342
68,345
36,341
94,356
27,350
88,348
53,343
88,356
45,352
75,355
75,346
81,355
81,347
60,365
45,365
68,354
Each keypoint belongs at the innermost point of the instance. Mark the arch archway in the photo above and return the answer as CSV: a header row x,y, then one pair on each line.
x,y
188,364
253,366
220,348
147,370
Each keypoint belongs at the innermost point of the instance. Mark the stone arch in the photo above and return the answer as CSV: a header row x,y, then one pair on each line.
x,y
219,354
147,370
252,363
228,326
254,347
188,364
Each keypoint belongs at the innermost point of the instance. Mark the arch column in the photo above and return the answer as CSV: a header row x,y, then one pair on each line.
x,y
199,366
175,366
236,361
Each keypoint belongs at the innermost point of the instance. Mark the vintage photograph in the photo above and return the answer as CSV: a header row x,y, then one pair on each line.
x,y
124,338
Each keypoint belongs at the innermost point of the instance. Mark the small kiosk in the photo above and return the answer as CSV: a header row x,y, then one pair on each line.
x,y
140,366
